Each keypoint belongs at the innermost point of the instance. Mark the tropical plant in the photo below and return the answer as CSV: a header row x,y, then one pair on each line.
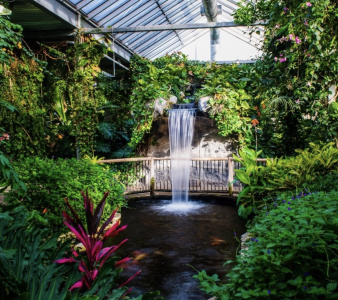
x,y
280,174
291,252
97,279
26,253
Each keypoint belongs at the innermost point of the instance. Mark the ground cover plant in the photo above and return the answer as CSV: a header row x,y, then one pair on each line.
x,y
49,181
291,254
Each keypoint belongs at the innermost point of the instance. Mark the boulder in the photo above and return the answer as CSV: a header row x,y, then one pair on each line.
x,y
172,99
203,103
159,105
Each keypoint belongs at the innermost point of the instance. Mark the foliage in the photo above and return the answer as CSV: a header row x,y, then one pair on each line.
x,y
27,270
291,79
230,105
281,174
26,253
9,178
96,255
292,252
50,181
57,98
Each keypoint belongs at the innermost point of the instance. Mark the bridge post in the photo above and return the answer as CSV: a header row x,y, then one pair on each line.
x,y
152,177
230,175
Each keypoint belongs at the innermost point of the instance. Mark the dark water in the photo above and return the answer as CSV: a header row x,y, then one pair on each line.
x,y
163,244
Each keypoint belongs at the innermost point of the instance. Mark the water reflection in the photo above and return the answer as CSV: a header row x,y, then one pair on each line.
x,y
163,242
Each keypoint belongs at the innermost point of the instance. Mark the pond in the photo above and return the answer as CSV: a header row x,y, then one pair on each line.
x,y
164,242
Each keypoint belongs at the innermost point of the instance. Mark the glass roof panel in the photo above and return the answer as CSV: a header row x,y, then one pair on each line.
x,y
131,13
92,5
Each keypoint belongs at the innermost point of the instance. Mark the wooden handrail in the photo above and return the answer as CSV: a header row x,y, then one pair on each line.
x,y
167,158
149,168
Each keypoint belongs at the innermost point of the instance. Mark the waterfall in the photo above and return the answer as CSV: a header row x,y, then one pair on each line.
x,y
181,131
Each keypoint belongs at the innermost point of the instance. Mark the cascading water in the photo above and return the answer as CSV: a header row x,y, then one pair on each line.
x,y
181,131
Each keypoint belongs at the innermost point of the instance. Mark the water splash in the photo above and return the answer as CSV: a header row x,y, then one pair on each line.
x,y
181,131
179,208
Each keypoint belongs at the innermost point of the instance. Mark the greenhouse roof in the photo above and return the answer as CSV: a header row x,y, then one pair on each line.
x,y
131,13
53,21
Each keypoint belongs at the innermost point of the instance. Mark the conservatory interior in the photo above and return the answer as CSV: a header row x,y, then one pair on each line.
x,y
168,149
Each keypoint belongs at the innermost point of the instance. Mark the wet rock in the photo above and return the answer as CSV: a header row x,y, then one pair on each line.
x,y
203,103
159,105
172,99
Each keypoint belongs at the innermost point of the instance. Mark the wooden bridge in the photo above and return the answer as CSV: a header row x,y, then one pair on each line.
x,y
151,174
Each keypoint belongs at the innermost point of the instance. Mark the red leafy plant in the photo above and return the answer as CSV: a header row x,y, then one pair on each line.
x,y
92,239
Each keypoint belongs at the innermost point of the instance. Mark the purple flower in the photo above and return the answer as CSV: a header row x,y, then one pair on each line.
x,y
304,287
306,273
297,101
289,202
269,251
267,213
298,41
289,208
285,10
284,201
275,204
293,198
306,23
308,4
269,292
235,233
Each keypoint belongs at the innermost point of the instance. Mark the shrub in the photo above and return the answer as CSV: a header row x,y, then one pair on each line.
x,y
292,252
50,181
281,174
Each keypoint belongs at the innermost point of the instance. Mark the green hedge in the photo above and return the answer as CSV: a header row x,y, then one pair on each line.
x,y
49,181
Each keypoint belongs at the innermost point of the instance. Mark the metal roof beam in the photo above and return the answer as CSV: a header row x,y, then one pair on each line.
x,y
164,27
211,12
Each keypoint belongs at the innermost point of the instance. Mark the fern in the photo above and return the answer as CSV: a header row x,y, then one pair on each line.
x,y
107,130
103,147
122,152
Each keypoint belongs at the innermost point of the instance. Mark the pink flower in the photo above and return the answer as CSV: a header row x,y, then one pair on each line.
x,y
276,58
2,138
277,26
306,23
309,83
308,4
282,59
298,101
291,37
298,41
285,10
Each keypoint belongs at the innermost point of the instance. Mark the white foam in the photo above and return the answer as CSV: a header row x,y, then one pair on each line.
x,y
179,207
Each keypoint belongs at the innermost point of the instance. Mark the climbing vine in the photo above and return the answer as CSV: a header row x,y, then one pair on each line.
x,y
55,93
293,76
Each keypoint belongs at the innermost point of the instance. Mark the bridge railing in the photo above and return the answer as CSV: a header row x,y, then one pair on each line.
x,y
150,174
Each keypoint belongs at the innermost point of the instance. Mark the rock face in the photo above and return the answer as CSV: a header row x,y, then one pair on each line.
x,y
206,141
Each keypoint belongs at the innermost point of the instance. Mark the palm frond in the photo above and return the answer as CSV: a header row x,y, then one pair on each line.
x,y
280,102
